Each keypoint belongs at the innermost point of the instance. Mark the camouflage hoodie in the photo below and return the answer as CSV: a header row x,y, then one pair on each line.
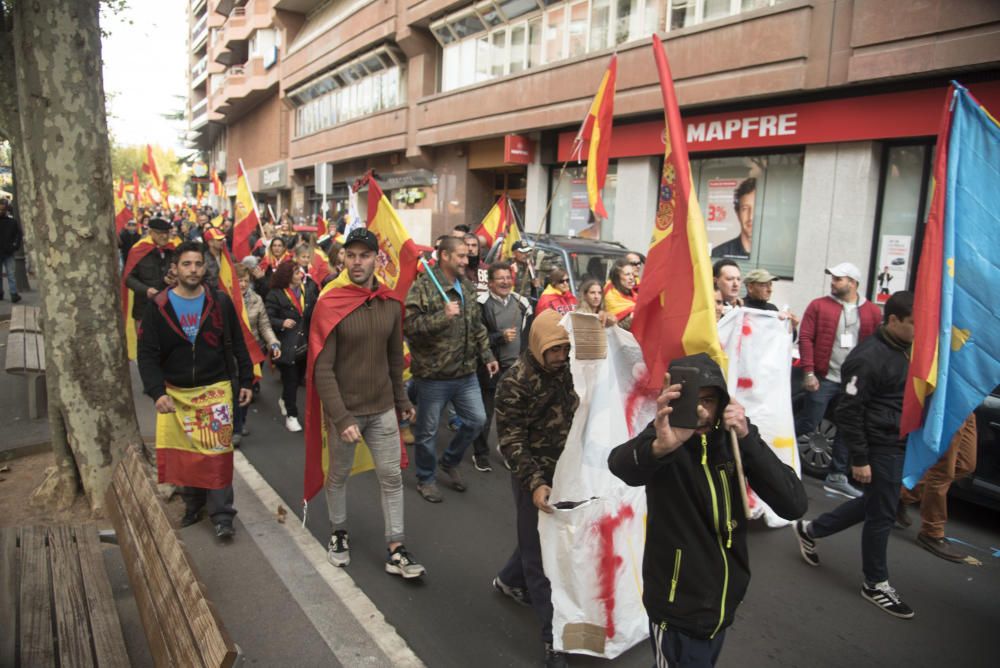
x,y
443,348
535,406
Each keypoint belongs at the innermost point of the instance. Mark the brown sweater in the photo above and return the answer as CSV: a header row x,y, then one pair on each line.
x,y
360,369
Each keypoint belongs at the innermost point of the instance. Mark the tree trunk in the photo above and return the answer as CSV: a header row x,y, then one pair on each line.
x,y
64,172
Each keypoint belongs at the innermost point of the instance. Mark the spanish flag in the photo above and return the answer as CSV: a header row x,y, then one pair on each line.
x,y
122,213
398,253
321,226
150,167
319,266
246,219
675,310
513,235
494,225
230,284
217,189
139,250
596,130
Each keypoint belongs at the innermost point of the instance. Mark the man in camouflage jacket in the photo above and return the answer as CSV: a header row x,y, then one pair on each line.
x,y
535,403
447,341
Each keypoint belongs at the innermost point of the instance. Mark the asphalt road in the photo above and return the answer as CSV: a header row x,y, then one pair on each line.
x,y
794,615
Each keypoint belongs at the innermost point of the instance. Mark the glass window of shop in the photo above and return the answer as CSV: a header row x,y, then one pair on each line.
x,y
570,213
751,208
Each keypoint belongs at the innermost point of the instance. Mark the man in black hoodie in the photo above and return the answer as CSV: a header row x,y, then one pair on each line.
x,y
696,567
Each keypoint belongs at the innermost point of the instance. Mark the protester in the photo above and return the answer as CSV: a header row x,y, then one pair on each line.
x,y
447,343
476,270
557,295
10,242
260,328
150,274
592,301
535,403
126,239
932,492
720,304
638,262
727,279
214,242
692,505
286,232
276,254
335,258
620,293
505,315
759,286
358,376
527,282
190,349
869,406
831,327
289,306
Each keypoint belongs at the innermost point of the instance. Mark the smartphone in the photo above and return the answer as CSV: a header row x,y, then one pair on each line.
x,y
685,413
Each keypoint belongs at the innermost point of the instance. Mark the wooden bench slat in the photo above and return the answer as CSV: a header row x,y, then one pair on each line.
x,y
105,626
210,636
8,596
25,318
36,612
72,625
25,353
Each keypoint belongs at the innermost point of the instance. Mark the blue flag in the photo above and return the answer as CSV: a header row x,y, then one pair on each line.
x,y
968,365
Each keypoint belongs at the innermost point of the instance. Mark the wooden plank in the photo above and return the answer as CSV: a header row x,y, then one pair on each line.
x,y
17,317
105,627
25,319
25,353
164,597
72,623
8,596
15,353
35,609
35,356
211,638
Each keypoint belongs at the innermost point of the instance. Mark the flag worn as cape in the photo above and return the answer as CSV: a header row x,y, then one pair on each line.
x,y
494,224
596,129
230,284
246,219
319,266
139,250
675,310
617,304
957,274
397,252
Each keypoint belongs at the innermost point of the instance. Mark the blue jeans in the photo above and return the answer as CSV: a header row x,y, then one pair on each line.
x,y
433,395
813,409
7,264
876,508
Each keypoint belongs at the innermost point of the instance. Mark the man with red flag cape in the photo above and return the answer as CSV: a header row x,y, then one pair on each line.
x,y
354,386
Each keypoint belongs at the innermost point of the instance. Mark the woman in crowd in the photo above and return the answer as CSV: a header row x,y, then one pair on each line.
x,y
620,293
557,295
289,307
592,301
286,230
260,327
276,254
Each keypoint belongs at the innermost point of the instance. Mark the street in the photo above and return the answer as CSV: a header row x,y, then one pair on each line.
x,y
794,615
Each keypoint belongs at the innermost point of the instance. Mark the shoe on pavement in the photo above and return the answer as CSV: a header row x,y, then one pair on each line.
x,y
191,517
517,594
399,562
453,477
886,598
940,547
838,482
903,520
482,463
237,437
430,492
225,530
292,424
554,659
407,435
338,551
15,299
245,431
281,407
807,545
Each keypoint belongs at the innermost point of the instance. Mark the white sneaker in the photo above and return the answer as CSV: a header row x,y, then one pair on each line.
x,y
292,424
281,407
338,551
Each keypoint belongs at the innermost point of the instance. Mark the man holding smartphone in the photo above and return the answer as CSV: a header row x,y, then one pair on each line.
x,y
696,566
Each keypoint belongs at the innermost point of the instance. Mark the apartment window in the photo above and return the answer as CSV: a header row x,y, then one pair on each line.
x,y
363,86
684,13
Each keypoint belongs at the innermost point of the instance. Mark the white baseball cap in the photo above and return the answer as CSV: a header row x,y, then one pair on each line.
x,y
845,269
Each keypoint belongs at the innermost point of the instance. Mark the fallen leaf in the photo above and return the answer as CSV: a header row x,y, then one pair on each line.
x,y
282,513
4,469
972,561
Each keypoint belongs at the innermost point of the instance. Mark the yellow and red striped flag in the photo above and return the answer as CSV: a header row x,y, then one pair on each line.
x,y
246,219
675,310
230,284
150,167
596,130
122,212
217,189
398,253
494,225
512,236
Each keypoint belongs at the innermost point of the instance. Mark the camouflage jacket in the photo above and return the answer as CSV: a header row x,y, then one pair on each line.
x,y
443,348
534,410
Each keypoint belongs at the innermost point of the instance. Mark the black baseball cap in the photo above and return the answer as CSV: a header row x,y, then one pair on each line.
x,y
160,224
362,235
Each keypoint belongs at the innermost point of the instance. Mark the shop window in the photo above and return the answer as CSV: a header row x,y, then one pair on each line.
x,y
570,213
685,13
751,208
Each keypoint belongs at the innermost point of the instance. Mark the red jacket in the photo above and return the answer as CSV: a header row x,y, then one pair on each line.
x,y
819,329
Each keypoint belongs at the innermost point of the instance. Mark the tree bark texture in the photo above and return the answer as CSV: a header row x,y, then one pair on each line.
x,y
64,169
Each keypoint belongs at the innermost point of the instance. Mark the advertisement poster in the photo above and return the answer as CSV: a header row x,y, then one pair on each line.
x,y
893,266
579,206
729,217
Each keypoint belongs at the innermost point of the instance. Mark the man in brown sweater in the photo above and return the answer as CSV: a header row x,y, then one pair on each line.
x,y
359,378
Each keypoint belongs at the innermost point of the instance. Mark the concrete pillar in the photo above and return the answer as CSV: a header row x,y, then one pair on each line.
x,y
537,195
635,202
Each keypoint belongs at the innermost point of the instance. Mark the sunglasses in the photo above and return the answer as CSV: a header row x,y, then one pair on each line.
x,y
636,264
565,280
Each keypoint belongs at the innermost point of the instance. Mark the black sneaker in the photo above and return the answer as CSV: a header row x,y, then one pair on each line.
x,y
15,299
225,530
191,517
903,520
516,594
453,477
807,546
482,463
886,598
399,562
338,551
554,659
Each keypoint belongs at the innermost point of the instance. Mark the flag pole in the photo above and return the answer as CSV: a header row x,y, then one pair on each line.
x,y
740,477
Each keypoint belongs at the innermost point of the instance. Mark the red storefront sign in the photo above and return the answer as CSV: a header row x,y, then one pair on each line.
x,y
887,116
518,150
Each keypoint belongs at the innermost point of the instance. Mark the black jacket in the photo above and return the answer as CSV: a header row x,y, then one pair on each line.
x,y
10,236
870,402
149,272
696,567
279,308
126,240
166,355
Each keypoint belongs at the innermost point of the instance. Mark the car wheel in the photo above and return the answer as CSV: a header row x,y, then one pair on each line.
x,y
816,449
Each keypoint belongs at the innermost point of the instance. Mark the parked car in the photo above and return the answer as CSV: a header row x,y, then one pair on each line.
x,y
582,258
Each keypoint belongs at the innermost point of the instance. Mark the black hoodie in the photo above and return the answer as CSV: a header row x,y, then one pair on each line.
x,y
696,567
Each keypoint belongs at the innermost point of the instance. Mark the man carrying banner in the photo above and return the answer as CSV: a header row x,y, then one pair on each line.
x,y
190,348
535,403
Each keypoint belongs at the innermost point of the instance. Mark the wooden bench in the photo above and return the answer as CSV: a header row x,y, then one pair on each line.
x,y
56,603
26,354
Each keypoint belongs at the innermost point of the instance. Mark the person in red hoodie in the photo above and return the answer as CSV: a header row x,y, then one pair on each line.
x,y
831,327
557,295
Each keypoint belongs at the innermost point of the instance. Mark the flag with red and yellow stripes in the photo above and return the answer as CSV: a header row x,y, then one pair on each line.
x,y
397,251
246,219
494,225
230,284
596,130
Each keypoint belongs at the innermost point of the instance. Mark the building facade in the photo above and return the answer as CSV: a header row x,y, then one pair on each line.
x,y
810,123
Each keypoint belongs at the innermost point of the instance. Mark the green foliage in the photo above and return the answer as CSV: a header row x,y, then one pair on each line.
x,y
126,159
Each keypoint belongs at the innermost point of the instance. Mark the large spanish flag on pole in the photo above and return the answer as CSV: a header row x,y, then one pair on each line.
x,y
955,361
398,253
151,168
494,225
675,310
246,218
596,130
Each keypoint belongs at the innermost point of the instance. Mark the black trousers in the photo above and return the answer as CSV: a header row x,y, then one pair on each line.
x,y
219,502
672,648
291,376
488,387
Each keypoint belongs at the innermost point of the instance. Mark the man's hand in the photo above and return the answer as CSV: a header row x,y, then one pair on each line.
x,y
151,292
246,396
540,497
275,352
409,414
510,334
451,309
862,474
735,417
351,435
165,404
668,438
493,368
288,323
810,383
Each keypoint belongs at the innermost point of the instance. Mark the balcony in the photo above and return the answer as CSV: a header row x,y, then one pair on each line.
x,y
199,113
199,73
244,85
199,33
196,6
